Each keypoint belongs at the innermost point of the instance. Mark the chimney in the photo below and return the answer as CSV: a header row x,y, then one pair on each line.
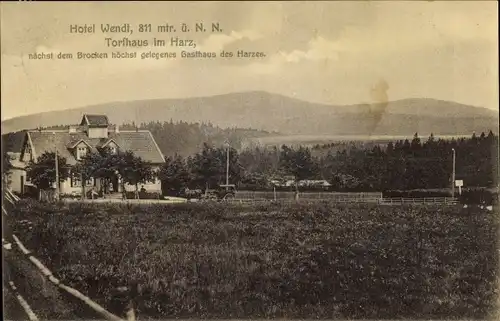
x,y
117,128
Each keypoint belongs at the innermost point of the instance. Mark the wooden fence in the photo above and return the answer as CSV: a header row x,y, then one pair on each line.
x,y
130,312
259,195
376,198
420,201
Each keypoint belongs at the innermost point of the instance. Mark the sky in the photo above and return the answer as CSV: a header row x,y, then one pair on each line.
x,y
327,52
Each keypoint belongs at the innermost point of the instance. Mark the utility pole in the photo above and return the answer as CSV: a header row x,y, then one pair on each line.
x,y
227,166
453,175
57,169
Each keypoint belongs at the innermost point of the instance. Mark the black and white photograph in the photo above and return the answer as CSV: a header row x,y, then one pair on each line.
x,y
241,160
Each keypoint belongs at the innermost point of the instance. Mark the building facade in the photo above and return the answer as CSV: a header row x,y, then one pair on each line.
x,y
94,134
16,172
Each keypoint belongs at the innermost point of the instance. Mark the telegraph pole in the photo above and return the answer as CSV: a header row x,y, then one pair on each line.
x,y
453,175
227,166
57,169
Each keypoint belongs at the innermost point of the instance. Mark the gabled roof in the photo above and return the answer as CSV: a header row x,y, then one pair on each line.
x,y
141,143
108,142
74,144
95,120
13,142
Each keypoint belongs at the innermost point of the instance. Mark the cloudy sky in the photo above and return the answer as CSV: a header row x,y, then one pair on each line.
x,y
329,52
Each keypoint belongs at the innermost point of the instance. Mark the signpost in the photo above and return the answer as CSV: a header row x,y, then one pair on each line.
x,y
459,183
453,175
227,164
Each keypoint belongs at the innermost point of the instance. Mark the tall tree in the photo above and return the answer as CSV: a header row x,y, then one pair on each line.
x,y
416,144
98,165
298,163
174,175
133,170
234,165
104,165
42,173
206,167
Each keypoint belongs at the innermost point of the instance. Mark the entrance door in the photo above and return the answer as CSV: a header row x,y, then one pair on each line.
x,y
114,183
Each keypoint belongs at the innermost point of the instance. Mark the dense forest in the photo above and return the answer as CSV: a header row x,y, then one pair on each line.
x,y
400,165
182,138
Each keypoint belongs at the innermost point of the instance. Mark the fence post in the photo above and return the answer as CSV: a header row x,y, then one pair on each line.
x,y
132,295
130,312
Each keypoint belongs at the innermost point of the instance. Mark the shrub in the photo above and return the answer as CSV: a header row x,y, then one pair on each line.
x,y
144,195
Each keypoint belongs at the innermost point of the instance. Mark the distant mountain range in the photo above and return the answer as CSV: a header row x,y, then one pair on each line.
x,y
276,113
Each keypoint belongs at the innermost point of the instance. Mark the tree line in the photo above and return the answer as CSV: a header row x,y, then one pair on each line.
x,y
185,139
102,165
400,165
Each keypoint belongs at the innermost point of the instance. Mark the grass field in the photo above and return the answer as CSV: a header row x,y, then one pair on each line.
x,y
292,261
326,139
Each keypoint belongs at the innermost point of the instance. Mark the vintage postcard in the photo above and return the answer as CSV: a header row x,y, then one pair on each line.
x,y
250,160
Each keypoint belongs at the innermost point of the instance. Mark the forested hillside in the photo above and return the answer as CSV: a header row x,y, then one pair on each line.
x,y
182,138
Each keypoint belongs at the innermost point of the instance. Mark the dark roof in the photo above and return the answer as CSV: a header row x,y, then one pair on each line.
x,y
13,142
95,120
141,143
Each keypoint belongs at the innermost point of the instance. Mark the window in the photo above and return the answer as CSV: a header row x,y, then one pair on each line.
x,y
27,153
112,148
75,180
81,152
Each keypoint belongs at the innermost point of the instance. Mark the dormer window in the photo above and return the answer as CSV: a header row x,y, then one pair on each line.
x,y
81,151
112,147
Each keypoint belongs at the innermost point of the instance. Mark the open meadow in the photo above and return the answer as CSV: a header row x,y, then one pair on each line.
x,y
309,140
319,260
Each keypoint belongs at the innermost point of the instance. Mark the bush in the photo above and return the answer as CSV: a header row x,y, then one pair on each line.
x,y
144,195
479,196
70,196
